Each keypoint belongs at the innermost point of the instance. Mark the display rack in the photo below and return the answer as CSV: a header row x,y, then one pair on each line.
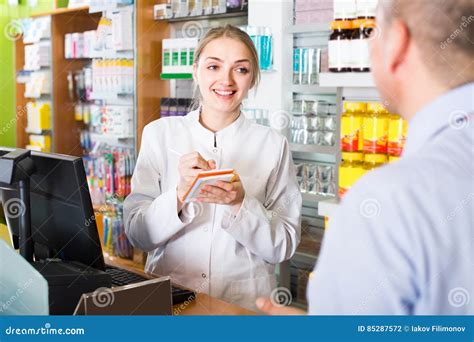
x,y
296,36
313,149
218,16
65,136
347,80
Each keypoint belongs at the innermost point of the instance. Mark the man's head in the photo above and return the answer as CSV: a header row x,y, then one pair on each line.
x,y
420,49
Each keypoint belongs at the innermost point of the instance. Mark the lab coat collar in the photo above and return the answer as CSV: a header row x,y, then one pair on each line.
x,y
223,135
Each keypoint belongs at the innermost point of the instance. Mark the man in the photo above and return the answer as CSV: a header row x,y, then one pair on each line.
x,y
402,241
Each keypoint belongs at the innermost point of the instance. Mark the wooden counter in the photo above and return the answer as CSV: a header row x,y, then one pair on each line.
x,y
202,305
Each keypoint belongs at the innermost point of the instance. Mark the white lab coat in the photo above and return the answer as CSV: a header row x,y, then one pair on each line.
x,y
206,247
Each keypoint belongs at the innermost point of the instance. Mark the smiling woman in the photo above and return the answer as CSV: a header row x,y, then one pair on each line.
x,y
225,68
227,241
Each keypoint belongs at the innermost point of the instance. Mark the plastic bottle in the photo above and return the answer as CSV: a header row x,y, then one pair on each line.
x,y
392,159
304,66
373,161
350,170
297,66
397,130
253,34
351,126
265,38
375,129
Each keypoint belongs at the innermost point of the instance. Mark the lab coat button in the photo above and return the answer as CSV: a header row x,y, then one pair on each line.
x,y
204,275
215,150
205,229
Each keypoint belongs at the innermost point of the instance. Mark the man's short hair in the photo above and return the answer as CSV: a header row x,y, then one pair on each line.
x,y
443,30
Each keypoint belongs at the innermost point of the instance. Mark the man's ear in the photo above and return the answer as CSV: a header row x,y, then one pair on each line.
x,y
397,45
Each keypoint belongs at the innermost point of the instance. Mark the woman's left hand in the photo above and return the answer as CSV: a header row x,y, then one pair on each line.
x,y
229,193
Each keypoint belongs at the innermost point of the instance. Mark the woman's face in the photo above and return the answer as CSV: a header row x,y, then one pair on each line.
x,y
224,74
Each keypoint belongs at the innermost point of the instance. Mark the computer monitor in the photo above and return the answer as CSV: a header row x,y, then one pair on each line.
x,y
62,217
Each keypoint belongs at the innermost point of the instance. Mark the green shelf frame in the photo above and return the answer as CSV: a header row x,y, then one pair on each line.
x,y
176,76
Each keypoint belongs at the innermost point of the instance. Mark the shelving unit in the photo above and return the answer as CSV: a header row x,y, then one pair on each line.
x,y
312,89
338,88
315,197
347,80
20,99
308,35
111,6
66,129
307,28
149,88
23,97
218,16
65,135
314,149
328,207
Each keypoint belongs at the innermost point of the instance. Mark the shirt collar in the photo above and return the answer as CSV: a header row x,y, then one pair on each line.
x,y
447,110
224,133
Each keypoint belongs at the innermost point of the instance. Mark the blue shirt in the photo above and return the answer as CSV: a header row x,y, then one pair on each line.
x,y
402,240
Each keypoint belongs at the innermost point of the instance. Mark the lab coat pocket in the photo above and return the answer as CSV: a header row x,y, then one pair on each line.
x,y
245,292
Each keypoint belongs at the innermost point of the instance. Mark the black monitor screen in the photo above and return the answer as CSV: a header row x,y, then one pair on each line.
x,y
62,217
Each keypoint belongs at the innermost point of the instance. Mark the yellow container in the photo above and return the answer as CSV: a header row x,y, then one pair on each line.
x,y
40,142
351,126
392,159
373,161
375,129
397,131
350,170
44,112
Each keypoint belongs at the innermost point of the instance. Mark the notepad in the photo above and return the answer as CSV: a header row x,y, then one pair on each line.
x,y
208,178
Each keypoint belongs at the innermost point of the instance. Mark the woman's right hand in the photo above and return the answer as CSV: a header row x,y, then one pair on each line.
x,y
190,165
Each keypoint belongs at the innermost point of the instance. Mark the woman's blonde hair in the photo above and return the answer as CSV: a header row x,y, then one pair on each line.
x,y
233,32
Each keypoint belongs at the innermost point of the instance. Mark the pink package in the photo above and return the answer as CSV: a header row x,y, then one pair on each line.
x,y
314,17
311,5
324,66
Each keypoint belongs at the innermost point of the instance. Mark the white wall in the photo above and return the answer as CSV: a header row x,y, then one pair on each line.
x,y
273,92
